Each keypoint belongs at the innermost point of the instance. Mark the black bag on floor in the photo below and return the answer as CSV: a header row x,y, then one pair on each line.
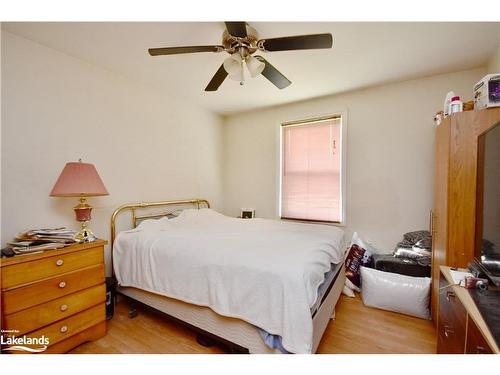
x,y
408,267
110,297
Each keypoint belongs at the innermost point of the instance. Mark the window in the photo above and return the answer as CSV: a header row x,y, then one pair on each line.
x,y
311,170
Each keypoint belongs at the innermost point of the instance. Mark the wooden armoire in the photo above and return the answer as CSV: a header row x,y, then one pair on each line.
x,y
453,216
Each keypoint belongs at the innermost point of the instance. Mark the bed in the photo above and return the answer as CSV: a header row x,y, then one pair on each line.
x,y
246,282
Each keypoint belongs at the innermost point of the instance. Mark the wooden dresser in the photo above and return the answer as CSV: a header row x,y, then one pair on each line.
x,y
59,294
453,217
461,328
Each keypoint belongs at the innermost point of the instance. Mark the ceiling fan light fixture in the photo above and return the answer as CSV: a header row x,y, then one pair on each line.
x,y
255,66
233,65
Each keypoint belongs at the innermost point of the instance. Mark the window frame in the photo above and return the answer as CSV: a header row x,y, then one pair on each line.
x,y
343,165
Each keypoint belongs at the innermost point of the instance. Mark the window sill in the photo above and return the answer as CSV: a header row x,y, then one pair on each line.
x,y
307,221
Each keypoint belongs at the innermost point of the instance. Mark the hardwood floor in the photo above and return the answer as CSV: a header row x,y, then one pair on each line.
x,y
356,329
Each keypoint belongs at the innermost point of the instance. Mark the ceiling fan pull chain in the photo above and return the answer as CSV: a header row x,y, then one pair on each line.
x,y
242,82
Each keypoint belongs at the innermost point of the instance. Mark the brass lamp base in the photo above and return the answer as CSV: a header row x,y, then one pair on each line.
x,y
83,214
85,234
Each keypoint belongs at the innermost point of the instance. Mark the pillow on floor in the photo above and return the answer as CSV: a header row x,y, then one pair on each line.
x,y
394,292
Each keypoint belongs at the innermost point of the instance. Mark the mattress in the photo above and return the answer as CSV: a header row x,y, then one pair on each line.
x,y
275,341
326,285
265,272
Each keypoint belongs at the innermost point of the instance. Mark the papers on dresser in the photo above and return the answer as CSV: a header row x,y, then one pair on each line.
x,y
40,236
38,240
37,248
459,276
59,232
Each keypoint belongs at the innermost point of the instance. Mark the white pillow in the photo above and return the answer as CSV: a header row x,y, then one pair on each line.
x,y
152,224
347,292
394,292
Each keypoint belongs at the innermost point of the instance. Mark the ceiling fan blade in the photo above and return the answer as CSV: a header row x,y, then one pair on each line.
x,y
273,74
238,29
288,43
217,79
187,49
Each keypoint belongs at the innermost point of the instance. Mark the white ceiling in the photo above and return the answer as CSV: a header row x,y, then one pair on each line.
x,y
363,54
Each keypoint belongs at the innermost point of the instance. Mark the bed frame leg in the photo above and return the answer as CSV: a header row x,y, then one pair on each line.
x,y
203,340
132,312
235,350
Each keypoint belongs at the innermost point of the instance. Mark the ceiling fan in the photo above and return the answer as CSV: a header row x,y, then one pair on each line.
x,y
241,41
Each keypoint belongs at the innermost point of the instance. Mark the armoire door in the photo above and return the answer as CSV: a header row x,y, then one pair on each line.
x,y
439,218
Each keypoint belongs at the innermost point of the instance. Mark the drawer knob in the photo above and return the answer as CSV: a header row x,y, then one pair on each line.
x,y
59,262
63,307
64,329
62,284
450,295
448,331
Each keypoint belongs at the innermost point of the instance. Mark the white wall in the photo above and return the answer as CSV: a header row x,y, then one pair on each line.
x,y
390,151
56,109
494,63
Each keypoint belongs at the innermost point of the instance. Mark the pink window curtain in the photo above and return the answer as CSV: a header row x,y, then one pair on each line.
x,y
311,179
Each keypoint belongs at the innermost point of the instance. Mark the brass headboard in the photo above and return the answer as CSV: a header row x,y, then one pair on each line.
x,y
133,207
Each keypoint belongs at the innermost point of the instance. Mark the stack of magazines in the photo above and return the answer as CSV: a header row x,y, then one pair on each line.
x,y
38,240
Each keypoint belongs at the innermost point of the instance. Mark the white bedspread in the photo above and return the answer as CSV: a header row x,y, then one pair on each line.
x,y
265,272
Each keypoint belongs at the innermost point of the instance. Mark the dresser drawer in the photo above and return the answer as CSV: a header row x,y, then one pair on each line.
x,y
27,272
38,316
476,343
90,334
43,291
452,323
70,326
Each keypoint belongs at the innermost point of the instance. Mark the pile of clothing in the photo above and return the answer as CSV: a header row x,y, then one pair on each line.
x,y
416,246
411,257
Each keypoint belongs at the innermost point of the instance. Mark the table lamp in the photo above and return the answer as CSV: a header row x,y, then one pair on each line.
x,y
79,179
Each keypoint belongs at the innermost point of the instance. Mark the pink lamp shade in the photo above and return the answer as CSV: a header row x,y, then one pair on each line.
x,y
78,179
